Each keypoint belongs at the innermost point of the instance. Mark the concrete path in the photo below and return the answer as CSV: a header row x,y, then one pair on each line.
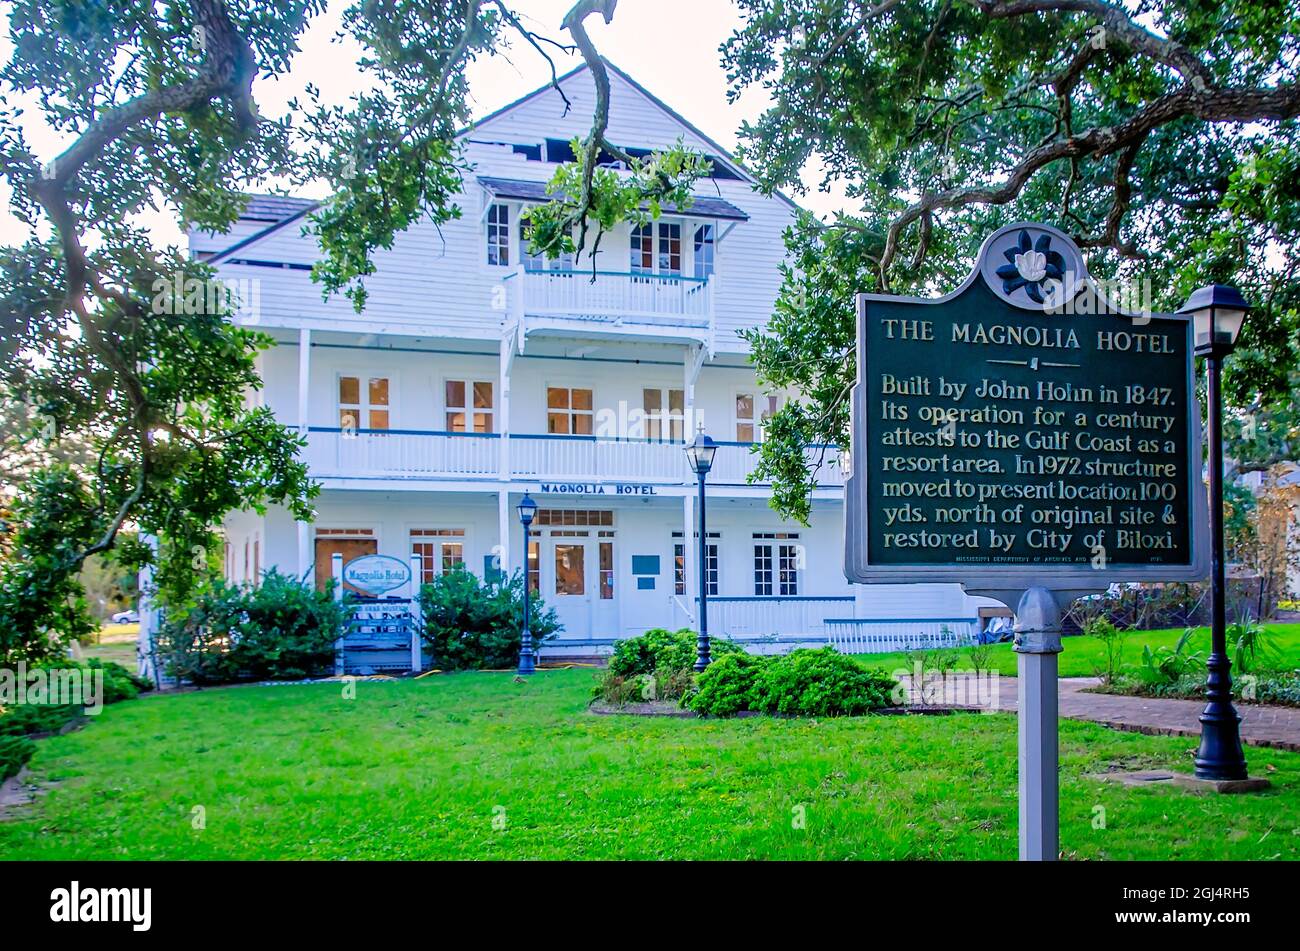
x,y
1261,725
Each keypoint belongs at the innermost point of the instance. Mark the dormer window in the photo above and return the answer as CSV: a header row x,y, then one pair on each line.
x,y
704,250
498,235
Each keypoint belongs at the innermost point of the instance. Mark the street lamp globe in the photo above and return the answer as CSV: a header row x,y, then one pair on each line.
x,y
700,453
1218,313
527,508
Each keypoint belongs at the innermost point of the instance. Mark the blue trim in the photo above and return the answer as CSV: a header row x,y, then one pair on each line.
x,y
282,265
768,599
651,275
522,356
899,620
401,432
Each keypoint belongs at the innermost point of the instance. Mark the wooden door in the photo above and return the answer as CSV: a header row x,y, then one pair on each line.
x,y
349,548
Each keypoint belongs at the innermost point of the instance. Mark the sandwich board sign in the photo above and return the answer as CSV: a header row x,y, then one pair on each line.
x,y
1025,437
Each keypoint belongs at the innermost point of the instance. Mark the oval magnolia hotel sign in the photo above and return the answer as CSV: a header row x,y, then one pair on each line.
x,y
1022,431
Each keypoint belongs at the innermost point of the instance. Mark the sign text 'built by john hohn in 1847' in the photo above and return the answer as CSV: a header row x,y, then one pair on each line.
x,y
1021,430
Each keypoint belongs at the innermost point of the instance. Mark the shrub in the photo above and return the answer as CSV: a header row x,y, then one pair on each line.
x,y
119,683
819,683
1164,667
661,649
618,690
472,624
726,685
283,629
15,751
1112,639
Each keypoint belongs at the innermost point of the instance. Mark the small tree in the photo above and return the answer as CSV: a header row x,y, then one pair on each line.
x,y
476,624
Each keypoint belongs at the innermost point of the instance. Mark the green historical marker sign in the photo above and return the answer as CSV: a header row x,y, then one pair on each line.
x,y
1023,432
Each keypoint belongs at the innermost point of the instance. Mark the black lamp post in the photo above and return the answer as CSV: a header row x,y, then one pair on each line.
x,y
1217,314
700,455
527,656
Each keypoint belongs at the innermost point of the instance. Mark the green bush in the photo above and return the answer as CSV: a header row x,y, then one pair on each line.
x,y
726,685
470,624
618,690
819,683
119,683
14,752
1164,667
283,629
661,649
37,718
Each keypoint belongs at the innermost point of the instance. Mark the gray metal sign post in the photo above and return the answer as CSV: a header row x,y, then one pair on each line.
x,y
1028,439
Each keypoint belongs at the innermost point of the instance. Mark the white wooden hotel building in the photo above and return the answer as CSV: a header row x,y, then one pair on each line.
x,y
478,373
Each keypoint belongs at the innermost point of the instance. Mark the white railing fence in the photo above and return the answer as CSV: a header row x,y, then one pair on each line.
x,y
401,452
613,295
868,636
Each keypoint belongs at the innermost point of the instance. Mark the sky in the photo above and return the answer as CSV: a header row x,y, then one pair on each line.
x,y
669,46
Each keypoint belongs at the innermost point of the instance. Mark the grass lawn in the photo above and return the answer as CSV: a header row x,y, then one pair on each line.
x,y
117,642
1084,656
421,768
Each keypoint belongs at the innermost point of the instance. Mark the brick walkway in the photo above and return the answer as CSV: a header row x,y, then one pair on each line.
x,y
1261,725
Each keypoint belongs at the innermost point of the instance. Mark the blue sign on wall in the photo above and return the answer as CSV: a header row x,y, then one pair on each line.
x,y
376,574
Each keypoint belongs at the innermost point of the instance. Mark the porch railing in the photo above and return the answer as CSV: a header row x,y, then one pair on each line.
x,y
745,617
612,294
881,635
400,453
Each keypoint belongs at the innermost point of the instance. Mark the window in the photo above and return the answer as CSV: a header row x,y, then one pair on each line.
x,y
474,416
257,560
568,411
363,409
665,413
440,550
498,235
748,427
776,564
606,571
711,563
704,250
587,517
534,566
540,262
648,256
642,249
670,248
571,569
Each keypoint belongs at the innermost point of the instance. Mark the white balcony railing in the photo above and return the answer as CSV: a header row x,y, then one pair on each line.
x,y
400,453
654,298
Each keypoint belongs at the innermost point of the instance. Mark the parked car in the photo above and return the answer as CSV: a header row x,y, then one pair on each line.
x,y
126,617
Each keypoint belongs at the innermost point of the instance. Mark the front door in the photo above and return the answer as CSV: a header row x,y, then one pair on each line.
x,y
349,548
570,566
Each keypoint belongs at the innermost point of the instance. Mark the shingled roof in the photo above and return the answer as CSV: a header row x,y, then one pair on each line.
x,y
702,206
273,208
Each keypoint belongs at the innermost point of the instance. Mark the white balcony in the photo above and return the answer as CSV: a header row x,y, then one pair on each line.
x,y
401,454
615,298
398,454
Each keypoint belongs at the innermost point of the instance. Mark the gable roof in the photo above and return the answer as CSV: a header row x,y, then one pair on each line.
x,y
273,208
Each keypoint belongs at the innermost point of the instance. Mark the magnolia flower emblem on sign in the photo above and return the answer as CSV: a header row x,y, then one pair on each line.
x,y
1031,265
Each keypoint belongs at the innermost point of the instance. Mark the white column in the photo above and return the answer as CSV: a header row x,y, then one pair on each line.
x,y
1038,641
144,651
304,378
506,359
504,526
688,556
336,572
305,558
416,575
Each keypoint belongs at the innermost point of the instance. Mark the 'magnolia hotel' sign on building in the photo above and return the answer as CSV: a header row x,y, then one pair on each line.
x,y
479,372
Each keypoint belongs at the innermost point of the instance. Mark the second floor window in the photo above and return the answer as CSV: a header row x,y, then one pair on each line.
x,y
498,234
670,248
363,403
664,413
650,256
752,413
469,406
704,250
569,411
642,258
